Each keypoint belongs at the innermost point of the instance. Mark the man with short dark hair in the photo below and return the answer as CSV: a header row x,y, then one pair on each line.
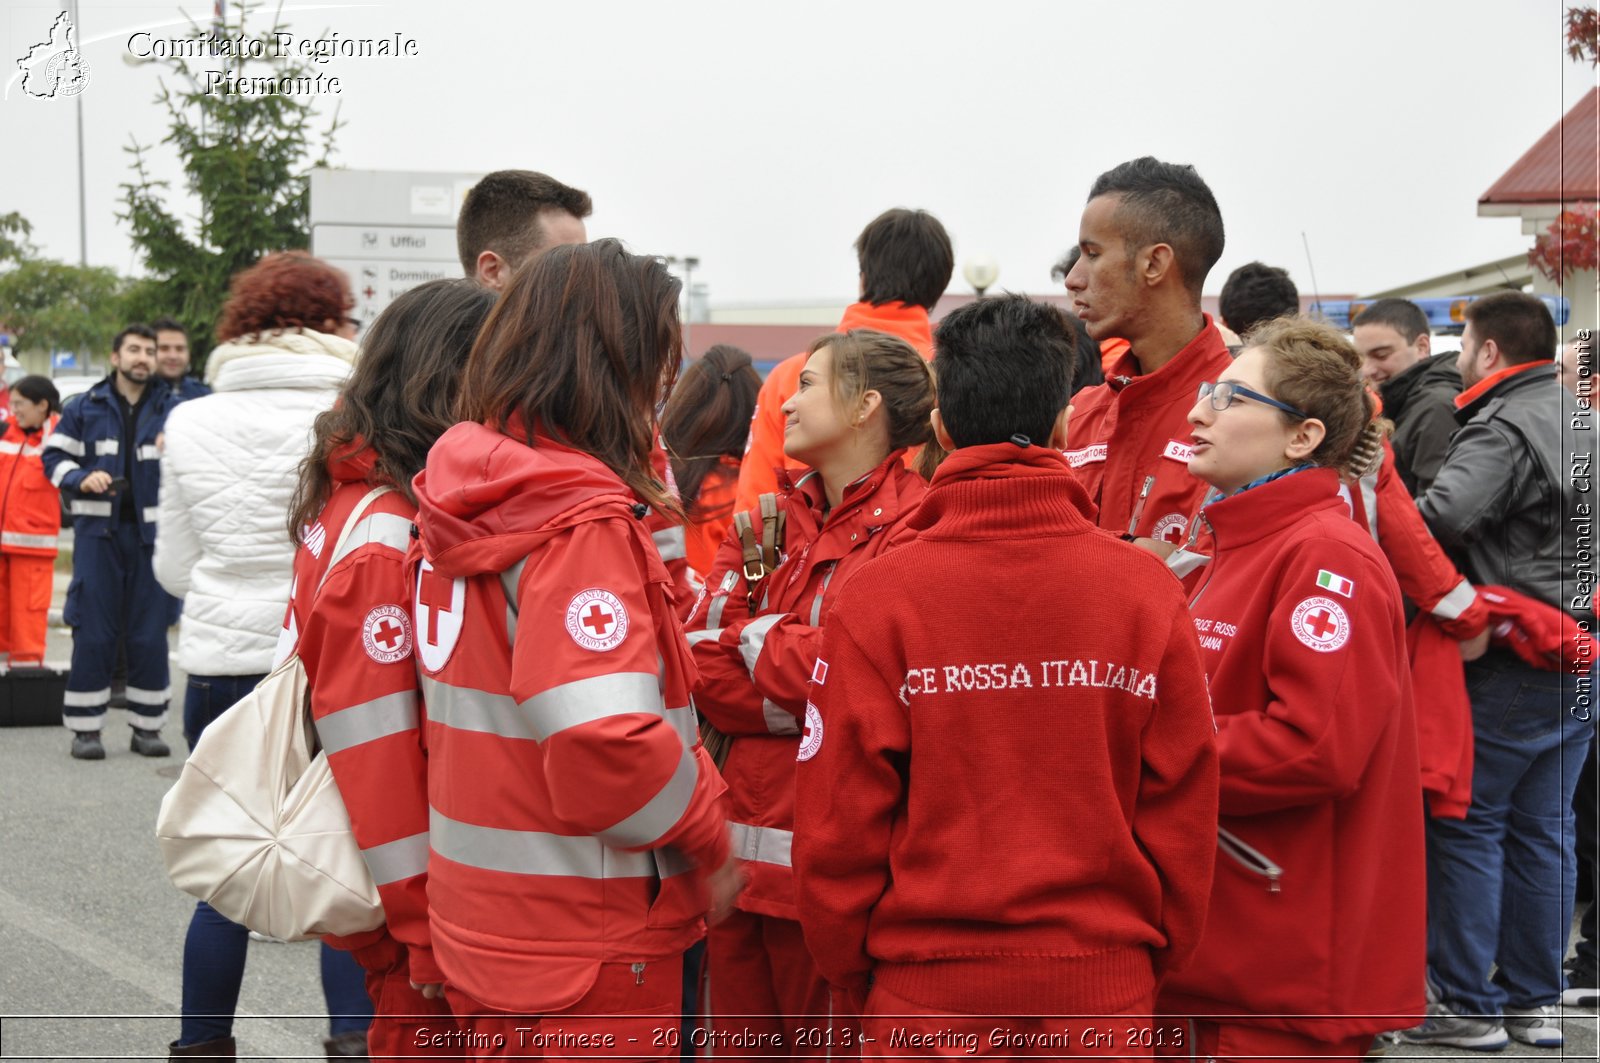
x,y
510,216
1150,233
1501,881
1254,294
905,261
1419,388
104,457
1006,796
172,360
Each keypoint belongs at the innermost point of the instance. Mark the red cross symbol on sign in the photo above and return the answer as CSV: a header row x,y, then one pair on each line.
x,y
435,593
598,620
368,291
389,634
1321,624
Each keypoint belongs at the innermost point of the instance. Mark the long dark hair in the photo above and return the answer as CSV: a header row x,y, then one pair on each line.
x,y
580,348
402,395
708,417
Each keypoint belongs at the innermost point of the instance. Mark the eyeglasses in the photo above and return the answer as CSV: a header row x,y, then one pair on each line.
x,y
1224,394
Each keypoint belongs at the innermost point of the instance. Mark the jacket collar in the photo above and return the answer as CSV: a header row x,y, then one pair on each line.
x,y
1269,508
1470,401
875,501
905,320
992,491
1178,378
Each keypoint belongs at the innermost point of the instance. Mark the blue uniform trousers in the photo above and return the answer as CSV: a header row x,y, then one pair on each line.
x,y
117,599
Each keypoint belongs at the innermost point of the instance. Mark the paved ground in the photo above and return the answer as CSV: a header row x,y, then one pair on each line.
x,y
91,932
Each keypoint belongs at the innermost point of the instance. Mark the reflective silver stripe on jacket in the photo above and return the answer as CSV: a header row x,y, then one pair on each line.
x,y
661,813
465,709
694,638
527,852
389,529
368,721
83,507
779,720
763,845
754,638
62,468
107,448
595,698
1369,499
398,860
67,443
152,514
816,603
8,447
670,542
149,452
86,698
1458,601
33,542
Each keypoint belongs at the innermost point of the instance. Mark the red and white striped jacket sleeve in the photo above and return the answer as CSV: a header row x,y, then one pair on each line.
x,y
356,644
599,667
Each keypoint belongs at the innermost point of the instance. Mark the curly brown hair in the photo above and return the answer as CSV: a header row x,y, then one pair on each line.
x,y
285,290
1314,367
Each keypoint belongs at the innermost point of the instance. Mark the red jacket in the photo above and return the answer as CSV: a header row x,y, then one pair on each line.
x,y
755,669
763,455
574,815
713,513
1007,787
1317,916
30,505
1444,717
354,638
1542,635
1134,427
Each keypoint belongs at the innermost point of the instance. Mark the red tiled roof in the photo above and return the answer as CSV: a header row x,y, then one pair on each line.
x,y
1561,167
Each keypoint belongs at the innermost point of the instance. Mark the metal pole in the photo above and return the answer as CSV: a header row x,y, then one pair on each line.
x,y
83,200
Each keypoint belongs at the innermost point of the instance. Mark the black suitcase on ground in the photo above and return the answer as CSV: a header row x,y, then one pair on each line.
x,y
31,695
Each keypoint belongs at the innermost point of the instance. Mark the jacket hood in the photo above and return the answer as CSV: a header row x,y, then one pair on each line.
x,y
294,358
352,463
485,499
1437,374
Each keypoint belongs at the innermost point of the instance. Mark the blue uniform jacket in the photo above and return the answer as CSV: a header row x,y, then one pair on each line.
x,y
89,437
188,387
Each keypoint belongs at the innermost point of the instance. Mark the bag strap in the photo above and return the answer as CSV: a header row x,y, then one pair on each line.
x,y
349,525
760,557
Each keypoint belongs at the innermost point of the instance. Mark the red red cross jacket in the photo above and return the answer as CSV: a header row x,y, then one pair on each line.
x,y
574,816
354,638
30,505
755,670
1135,427
1316,921
1007,785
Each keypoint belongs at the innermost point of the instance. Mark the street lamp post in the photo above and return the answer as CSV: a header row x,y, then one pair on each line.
x,y
981,271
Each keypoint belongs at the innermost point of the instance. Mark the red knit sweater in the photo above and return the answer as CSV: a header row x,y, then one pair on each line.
x,y
1007,789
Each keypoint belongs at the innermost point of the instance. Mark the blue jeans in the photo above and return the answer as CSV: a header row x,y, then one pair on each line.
x,y
1500,882
215,948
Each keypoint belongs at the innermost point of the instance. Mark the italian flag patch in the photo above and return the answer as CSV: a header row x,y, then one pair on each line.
x,y
1335,582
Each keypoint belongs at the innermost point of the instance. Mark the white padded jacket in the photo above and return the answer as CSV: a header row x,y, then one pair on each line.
x,y
228,470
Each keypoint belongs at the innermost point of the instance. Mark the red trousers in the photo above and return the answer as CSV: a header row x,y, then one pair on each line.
x,y
1256,1044
626,1014
893,1026
25,586
764,997
404,1022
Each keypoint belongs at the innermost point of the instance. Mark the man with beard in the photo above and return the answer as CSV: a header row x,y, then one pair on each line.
x,y
104,457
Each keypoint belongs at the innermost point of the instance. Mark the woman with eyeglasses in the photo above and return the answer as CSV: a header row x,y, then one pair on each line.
x,y
1314,939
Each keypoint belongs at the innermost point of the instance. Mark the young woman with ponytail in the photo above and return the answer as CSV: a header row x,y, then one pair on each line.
x,y
864,399
1314,937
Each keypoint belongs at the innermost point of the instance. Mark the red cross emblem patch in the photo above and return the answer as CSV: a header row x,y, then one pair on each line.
x,y
597,620
386,634
811,739
1321,623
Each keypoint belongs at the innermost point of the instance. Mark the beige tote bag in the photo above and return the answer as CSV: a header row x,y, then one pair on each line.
x,y
255,826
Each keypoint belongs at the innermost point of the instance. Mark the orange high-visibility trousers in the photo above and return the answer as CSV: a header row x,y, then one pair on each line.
x,y
25,584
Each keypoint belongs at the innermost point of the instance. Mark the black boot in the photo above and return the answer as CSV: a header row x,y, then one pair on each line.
x,y
86,746
349,1043
221,1048
149,744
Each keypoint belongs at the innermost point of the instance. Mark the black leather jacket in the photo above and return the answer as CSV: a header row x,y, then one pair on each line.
x,y
1515,489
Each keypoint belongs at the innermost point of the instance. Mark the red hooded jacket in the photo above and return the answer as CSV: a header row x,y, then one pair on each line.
x,y
574,815
1317,919
755,668
30,505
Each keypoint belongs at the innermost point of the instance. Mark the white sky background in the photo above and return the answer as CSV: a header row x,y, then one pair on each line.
x,y
762,136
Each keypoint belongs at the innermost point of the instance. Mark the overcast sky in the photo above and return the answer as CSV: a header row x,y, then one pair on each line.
x,y
761,137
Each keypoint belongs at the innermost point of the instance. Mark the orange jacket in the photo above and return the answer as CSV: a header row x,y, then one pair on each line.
x,y
755,668
712,515
763,455
30,505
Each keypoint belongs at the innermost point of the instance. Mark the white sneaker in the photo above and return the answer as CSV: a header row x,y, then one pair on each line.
x,y
1539,1027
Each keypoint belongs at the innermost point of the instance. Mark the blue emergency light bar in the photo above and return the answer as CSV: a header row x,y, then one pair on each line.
x,y
1444,315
